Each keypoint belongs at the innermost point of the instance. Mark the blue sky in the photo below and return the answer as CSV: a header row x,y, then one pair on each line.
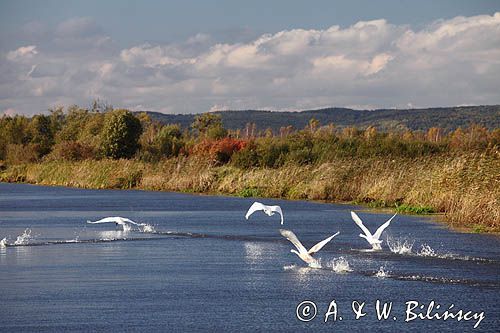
x,y
132,22
194,56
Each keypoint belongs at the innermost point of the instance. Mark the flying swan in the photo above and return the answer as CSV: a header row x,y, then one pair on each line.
x,y
374,239
120,221
269,210
303,253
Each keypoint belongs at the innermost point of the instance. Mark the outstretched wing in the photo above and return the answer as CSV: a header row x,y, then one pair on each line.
x,y
293,239
278,210
381,229
360,224
124,219
106,220
320,245
253,208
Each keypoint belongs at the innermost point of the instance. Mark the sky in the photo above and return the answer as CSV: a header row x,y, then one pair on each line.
x,y
198,56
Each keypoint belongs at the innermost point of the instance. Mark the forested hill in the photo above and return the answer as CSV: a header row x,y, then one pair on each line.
x,y
448,118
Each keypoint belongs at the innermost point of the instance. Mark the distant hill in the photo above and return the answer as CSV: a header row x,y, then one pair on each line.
x,y
448,118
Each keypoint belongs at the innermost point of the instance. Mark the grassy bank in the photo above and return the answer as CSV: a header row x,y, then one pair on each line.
x,y
465,187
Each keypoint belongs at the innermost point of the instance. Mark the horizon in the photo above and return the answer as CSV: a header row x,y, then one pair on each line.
x,y
196,57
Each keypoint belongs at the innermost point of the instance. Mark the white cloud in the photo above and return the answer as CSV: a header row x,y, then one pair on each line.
x,y
9,112
22,53
373,64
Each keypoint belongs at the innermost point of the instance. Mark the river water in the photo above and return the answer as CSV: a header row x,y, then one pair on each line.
x,y
203,267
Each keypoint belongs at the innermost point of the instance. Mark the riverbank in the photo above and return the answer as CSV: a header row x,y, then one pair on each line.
x,y
465,188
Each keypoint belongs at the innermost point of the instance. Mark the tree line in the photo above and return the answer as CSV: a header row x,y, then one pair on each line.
x,y
78,134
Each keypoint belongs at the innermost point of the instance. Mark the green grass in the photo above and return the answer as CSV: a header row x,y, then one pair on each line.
x,y
249,192
418,210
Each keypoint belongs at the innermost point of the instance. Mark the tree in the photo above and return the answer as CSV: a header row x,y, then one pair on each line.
x,y
168,140
120,134
73,124
209,125
41,133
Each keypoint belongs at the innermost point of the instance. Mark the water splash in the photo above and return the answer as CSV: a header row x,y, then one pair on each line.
x,y
400,246
74,240
427,251
382,273
315,264
289,267
3,243
126,227
24,238
148,228
340,265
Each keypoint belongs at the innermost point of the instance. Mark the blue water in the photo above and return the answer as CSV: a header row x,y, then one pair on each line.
x,y
206,268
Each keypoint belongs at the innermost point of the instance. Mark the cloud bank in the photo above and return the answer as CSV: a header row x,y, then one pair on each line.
x,y
372,64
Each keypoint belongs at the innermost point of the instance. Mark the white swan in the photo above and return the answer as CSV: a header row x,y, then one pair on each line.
x,y
374,239
269,210
119,221
303,253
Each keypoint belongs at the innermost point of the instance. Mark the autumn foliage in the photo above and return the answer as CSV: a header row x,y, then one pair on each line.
x,y
219,151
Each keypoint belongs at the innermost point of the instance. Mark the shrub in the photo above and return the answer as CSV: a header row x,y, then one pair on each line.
x,y
71,151
219,151
22,153
168,141
246,158
120,135
272,155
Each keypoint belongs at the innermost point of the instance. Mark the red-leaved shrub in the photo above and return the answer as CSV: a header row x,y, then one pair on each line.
x,y
219,151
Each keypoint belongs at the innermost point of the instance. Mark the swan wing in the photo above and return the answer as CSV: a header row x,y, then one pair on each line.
x,y
124,219
278,210
381,229
293,239
107,220
253,208
320,245
360,224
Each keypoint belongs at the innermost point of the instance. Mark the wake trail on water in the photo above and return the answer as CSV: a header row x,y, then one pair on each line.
x,y
246,238
397,246
403,246
338,265
86,241
27,239
341,266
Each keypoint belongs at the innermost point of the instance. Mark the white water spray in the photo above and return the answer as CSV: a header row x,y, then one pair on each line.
x,y
427,251
289,267
24,238
400,246
148,228
382,273
340,265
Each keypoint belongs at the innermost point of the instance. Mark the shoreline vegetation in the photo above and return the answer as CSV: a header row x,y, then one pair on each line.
x,y
456,173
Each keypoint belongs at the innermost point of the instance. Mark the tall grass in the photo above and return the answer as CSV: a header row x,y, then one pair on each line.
x,y
465,187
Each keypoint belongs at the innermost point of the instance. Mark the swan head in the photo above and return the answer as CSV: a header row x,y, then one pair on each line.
x,y
293,251
363,236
